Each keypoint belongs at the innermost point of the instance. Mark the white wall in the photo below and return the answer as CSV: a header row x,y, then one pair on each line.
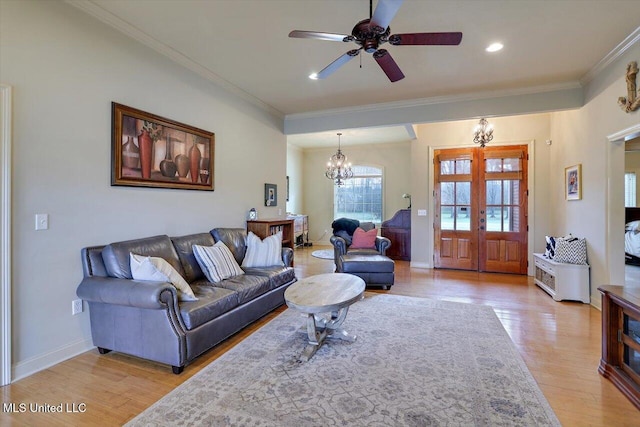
x,y
66,69
582,136
295,171
516,129
318,190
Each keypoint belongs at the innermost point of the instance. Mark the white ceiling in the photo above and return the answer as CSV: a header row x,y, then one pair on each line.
x,y
244,46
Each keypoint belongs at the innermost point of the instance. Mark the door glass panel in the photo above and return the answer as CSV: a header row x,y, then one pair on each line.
x,y
514,219
507,218
446,218
512,192
447,167
463,218
494,218
463,193
463,167
511,165
447,193
493,165
494,192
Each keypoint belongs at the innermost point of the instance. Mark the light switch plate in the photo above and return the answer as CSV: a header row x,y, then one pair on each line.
x,y
422,212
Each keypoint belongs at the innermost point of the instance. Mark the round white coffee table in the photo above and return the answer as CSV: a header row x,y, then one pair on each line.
x,y
325,293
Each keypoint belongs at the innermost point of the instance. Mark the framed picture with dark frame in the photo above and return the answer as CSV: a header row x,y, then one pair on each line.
x,y
270,195
151,151
573,182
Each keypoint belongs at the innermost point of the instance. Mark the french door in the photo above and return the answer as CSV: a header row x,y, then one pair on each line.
x,y
480,199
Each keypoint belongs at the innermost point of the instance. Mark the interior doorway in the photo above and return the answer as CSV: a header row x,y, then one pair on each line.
x,y
481,209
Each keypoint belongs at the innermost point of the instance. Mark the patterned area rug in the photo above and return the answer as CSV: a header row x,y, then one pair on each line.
x,y
323,253
416,362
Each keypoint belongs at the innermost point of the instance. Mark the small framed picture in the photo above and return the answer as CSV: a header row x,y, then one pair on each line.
x,y
270,195
573,182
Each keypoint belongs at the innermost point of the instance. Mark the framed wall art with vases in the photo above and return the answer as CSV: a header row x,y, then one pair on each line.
x,y
152,151
573,182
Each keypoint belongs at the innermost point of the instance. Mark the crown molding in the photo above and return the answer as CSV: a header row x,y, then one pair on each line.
x,y
421,102
115,22
617,52
357,146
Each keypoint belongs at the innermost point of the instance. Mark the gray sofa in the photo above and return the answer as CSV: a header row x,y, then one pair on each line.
x,y
145,319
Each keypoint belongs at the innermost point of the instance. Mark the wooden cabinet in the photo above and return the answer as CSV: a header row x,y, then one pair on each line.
x,y
620,362
266,227
562,281
398,230
300,229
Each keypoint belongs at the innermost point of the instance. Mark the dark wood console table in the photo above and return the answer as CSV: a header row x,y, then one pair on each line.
x,y
398,230
620,361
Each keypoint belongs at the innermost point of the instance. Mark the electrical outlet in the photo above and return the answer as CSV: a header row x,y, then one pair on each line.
x,y
76,306
42,222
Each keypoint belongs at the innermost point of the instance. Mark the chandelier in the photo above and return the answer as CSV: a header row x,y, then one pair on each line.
x,y
338,169
483,133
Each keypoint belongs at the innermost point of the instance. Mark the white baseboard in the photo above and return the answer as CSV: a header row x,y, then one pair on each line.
x,y
414,264
31,366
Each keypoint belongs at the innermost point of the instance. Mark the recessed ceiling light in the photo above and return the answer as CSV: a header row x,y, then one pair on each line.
x,y
313,76
494,47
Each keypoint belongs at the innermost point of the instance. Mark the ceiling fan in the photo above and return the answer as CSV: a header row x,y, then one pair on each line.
x,y
370,33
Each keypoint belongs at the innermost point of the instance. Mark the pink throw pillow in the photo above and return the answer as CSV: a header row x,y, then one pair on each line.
x,y
364,239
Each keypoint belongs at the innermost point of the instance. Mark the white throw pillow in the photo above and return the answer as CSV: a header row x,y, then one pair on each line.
x,y
217,262
263,253
159,270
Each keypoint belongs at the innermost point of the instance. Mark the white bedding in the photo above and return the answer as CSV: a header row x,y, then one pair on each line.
x,y
632,242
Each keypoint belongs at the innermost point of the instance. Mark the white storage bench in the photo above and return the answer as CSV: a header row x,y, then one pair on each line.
x,y
562,281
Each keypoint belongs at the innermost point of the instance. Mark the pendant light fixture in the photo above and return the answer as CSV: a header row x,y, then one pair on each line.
x,y
483,133
338,167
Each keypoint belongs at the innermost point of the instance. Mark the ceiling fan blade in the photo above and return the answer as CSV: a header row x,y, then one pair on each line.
x,y
388,65
452,38
333,67
320,36
384,13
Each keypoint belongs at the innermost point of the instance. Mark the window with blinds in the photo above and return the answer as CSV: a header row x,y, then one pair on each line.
x,y
629,189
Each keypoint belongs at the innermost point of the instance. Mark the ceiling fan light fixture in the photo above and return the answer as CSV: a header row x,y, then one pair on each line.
x,y
371,33
494,47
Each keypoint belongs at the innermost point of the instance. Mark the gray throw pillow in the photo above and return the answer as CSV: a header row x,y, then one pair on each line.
x,y
367,226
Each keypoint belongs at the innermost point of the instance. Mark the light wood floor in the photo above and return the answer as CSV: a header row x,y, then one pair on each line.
x,y
559,341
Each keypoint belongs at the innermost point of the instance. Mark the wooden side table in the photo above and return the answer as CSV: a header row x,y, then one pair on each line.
x,y
267,227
